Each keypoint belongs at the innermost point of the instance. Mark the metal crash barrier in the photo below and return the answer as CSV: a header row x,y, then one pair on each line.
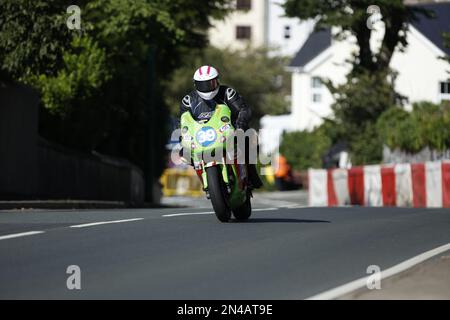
x,y
181,182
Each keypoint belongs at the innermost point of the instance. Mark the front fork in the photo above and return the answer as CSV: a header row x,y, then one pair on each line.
x,y
239,171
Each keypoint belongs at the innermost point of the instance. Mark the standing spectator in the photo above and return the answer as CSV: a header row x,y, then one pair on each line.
x,y
283,176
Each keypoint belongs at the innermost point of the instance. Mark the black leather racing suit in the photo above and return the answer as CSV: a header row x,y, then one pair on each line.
x,y
240,115
240,112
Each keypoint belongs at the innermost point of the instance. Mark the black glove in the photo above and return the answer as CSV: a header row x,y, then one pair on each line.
x,y
241,124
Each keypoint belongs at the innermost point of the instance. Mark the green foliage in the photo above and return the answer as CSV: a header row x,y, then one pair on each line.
x,y
258,77
304,149
427,125
358,105
37,47
96,83
84,71
32,36
362,100
366,146
388,126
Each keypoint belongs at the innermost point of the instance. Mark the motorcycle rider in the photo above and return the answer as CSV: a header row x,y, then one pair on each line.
x,y
202,101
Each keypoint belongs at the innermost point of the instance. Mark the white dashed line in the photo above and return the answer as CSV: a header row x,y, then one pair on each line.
x,y
187,214
265,209
104,222
17,235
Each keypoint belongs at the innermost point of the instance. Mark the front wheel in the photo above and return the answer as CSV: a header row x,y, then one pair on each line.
x,y
244,211
218,194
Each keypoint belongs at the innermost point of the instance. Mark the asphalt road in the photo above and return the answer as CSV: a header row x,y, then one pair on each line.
x,y
285,251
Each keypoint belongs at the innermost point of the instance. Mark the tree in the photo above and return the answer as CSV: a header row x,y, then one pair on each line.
x,y
95,83
351,16
35,41
427,125
304,149
32,38
369,90
83,71
257,76
362,100
358,104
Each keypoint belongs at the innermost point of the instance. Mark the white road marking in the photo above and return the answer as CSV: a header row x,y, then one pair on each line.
x,y
104,222
209,212
361,283
274,202
17,235
187,214
297,207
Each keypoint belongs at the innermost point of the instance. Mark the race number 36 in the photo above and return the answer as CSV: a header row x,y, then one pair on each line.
x,y
206,136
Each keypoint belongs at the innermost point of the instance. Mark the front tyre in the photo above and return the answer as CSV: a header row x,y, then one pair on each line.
x,y
218,194
244,211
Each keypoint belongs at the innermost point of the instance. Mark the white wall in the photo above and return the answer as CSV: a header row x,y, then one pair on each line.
x,y
306,114
267,21
330,64
223,33
420,70
276,26
272,131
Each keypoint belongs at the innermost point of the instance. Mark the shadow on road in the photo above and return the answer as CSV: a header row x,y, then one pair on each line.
x,y
282,220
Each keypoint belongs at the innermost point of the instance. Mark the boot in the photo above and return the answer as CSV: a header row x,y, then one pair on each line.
x,y
255,181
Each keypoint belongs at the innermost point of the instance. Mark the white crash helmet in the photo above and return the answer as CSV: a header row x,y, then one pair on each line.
x,y
206,82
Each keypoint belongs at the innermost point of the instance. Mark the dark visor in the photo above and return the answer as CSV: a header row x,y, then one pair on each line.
x,y
206,86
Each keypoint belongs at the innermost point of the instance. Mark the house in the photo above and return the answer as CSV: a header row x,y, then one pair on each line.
x,y
285,34
422,74
241,28
260,23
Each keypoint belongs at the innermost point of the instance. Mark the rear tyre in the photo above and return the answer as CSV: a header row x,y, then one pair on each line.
x,y
245,211
218,194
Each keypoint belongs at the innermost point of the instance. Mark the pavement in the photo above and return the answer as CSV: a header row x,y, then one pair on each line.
x,y
426,281
287,250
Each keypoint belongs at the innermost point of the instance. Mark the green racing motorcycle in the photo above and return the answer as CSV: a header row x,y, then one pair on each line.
x,y
223,179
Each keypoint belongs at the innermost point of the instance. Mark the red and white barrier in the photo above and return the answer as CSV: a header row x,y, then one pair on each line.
x,y
403,185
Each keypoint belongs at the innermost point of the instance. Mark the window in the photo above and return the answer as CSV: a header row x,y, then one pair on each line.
x,y
317,98
243,32
287,32
316,83
316,89
444,90
243,5
445,87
